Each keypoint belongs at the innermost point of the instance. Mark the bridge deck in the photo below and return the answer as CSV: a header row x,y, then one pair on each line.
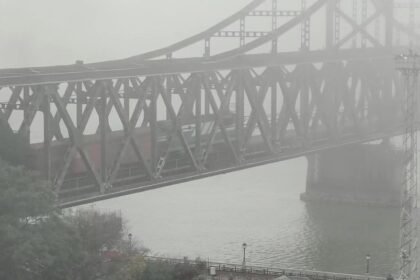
x,y
74,73
182,177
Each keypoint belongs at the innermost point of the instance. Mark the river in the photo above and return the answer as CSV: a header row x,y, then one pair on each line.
x,y
211,218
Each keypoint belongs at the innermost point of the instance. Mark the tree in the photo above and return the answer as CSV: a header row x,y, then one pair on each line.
x,y
158,271
32,234
185,271
13,148
101,237
35,242
161,270
134,269
38,241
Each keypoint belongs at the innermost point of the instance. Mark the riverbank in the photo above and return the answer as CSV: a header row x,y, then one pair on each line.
x,y
222,271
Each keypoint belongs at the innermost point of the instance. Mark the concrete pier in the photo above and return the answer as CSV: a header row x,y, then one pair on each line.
x,y
368,174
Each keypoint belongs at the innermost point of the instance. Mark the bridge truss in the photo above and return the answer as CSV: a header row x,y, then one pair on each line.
x,y
260,89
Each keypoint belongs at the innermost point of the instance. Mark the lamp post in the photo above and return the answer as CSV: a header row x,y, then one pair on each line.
x,y
367,264
130,236
244,247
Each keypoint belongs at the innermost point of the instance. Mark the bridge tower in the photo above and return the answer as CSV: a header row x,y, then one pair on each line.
x,y
409,66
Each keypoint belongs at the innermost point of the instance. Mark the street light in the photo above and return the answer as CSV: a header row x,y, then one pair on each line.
x,y
244,247
130,236
367,263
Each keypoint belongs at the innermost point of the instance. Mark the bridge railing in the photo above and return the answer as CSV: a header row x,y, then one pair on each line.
x,y
260,270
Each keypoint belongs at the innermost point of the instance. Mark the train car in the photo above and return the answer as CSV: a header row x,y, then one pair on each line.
x,y
142,137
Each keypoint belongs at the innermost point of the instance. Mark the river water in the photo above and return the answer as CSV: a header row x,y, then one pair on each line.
x,y
211,218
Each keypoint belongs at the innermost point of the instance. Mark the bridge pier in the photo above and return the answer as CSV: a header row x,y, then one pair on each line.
x,y
367,174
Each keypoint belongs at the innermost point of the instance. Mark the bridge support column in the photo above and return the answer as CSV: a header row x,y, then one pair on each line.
x,y
25,130
363,174
47,137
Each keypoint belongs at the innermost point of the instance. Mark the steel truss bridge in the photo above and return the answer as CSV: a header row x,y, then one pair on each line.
x,y
269,83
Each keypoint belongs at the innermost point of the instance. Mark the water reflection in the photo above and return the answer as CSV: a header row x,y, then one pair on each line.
x,y
344,234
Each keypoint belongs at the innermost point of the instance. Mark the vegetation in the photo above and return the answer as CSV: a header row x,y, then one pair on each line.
x,y
13,148
161,270
39,241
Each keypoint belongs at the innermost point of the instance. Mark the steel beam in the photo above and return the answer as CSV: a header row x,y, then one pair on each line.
x,y
47,137
318,98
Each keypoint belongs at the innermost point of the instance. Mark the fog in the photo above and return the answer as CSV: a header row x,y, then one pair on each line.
x,y
52,32
48,32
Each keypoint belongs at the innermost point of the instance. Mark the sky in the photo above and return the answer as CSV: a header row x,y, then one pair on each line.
x,y
49,32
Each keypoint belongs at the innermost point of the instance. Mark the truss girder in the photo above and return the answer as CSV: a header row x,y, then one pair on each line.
x,y
197,122
344,25
146,119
